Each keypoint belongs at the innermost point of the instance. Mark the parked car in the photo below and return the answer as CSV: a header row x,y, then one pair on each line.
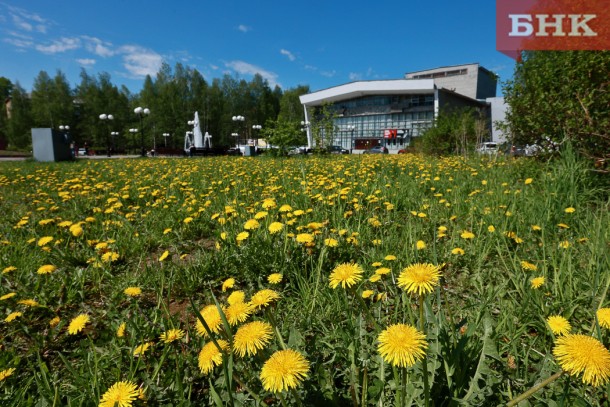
x,y
299,150
489,148
376,150
337,150
82,151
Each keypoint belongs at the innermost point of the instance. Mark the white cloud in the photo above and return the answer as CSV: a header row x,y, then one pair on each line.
x,y
98,47
243,28
354,76
140,61
289,54
20,23
19,43
27,21
328,74
249,69
86,61
62,45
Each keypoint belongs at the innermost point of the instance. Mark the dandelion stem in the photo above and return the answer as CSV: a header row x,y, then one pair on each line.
x,y
422,325
534,389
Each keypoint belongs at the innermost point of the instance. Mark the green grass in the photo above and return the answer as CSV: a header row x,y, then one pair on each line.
x,y
488,340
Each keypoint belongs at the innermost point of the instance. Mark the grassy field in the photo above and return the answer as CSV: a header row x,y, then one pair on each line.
x,y
348,281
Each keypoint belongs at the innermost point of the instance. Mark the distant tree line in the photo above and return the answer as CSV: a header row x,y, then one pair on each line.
x,y
173,96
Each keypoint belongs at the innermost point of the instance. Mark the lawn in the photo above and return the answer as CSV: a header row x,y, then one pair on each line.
x,y
344,280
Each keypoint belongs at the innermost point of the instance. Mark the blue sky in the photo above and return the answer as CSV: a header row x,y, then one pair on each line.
x,y
316,43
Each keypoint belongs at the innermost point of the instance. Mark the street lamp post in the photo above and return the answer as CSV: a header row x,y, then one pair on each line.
x,y
351,128
236,135
238,119
141,112
113,134
256,129
134,132
106,118
165,136
64,129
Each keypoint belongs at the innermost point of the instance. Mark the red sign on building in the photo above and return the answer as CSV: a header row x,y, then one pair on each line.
x,y
528,25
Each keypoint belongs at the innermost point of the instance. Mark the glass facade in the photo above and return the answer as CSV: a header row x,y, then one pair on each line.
x,y
390,120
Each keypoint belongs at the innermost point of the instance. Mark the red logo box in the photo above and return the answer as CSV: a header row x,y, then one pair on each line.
x,y
528,25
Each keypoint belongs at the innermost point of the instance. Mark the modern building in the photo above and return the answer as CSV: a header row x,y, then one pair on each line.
x,y
393,112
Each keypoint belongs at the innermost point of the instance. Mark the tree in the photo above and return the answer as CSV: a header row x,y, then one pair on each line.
x,y
5,93
322,125
290,104
455,131
561,95
282,134
20,122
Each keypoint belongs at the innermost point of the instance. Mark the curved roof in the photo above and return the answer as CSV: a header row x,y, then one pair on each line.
x,y
364,88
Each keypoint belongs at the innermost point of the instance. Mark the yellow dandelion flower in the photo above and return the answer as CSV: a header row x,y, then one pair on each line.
x,y
284,370
276,227
212,318
210,356
419,278
227,284
54,322
44,222
458,251
6,373
536,228
251,224
251,337
569,210
304,238
382,271
275,278
13,316
8,269
76,230
187,220
242,236
46,269
467,235
263,298
7,296
261,215
330,242
376,242
167,230
345,274
236,296
171,335
65,224
141,349
491,229
528,266
564,244
537,282
390,257
120,332
559,325
28,302
285,208
133,291
238,312
121,394
563,226
374,278
109,257
78,323
603,316
377,264
43,241
402,345
583,355
164,255
367,293
528,181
